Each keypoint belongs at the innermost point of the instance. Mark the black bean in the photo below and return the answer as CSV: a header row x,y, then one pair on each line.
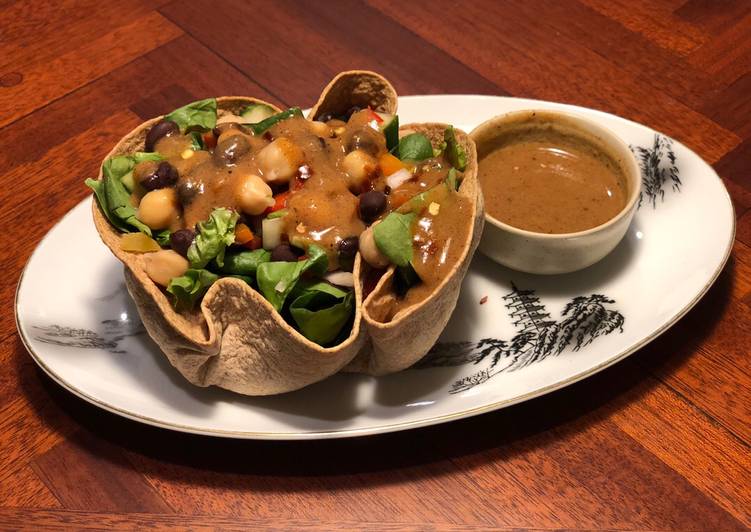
x,y
187,191
349,112
181,240
284,253
366,140
372,204
348,247
346,251
164,176
159,130
229,150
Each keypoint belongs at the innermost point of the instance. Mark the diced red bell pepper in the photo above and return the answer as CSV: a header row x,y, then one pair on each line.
x,y
280,202
374,116
209,140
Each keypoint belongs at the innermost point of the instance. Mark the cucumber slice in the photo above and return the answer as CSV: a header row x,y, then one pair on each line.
x,y
390,129
256,112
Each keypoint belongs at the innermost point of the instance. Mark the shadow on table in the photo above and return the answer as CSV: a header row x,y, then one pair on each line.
x,y
467,443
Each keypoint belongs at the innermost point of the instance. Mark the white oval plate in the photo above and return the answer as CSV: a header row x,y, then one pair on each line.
x,y
531,334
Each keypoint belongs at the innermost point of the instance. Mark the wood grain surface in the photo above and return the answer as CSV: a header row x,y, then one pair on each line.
x,y
659,441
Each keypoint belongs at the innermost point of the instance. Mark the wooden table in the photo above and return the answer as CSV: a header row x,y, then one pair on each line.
x,y
660,441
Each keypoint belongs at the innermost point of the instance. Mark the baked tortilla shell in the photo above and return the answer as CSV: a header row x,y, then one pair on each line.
x,y
238,341
394,345
355,88
235,340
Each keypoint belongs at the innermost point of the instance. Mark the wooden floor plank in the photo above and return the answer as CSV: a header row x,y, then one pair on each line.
x,y
48,80
700,451
731,107
664,70
352,36
727,56
654,20
22,488
85,473
522,58
27,39
713,17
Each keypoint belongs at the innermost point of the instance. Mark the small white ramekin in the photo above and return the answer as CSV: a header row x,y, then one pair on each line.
x,y
544,253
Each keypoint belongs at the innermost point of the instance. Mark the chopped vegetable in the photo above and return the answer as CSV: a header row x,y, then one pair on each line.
x,y
415,147
390,164
393,236
200,114
452,180
280,202
271,232
397,179
454,151
190,287
138,243
256,112
390,130
278,214
243,234
321,310
277,279
213,237
263,125
244,262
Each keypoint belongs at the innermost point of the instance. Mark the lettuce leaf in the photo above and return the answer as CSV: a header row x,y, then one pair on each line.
x,y
212,238
200,114
393,236
321,310
190,287
113,197
277,279
244,263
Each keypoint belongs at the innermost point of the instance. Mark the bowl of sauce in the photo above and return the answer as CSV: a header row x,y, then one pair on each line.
x,y
560,190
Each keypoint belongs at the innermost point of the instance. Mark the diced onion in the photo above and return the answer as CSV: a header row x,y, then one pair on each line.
x,y
398,178
271,232
340,279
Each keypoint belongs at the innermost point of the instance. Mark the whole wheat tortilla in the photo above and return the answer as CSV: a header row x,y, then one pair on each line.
x,y
236,340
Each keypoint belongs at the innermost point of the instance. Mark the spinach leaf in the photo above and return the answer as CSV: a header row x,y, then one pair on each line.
x,y
415,147
259,127
321,311
196,141
113,197
190,287
200,114
244,263
405,277
454,151
162,237
277,279
212,238
393,236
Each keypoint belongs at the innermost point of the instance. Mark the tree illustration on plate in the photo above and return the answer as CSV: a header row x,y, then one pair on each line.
x,y
658,167
538,336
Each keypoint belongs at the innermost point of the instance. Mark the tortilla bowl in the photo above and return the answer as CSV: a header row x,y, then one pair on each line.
x,y
236,339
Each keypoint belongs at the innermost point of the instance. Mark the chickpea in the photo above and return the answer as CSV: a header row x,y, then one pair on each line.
x,y
163,265
280,160
158,208
321,129
370,252
253,195
358,165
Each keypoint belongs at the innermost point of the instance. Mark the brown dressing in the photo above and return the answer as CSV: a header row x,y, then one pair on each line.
x,y
322,202
548,182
